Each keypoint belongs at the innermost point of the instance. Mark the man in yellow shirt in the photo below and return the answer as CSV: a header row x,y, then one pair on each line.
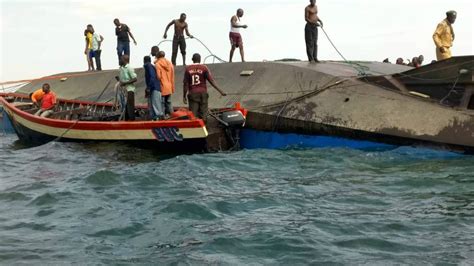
x,y
444,36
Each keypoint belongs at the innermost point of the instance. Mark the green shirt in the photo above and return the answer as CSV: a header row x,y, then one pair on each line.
x,y
127,73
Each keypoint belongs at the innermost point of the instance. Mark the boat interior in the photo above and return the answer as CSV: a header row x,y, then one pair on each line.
x,y
84,111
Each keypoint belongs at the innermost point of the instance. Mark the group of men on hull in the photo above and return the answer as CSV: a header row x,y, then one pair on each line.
x,y
160,85
443,36
160,75
93,40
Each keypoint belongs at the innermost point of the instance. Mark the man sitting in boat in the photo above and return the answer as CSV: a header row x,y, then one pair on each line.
x,y
48,102
38,95
195,88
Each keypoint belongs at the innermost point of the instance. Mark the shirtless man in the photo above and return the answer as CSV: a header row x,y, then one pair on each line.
x,y
180,26
234,35
311,31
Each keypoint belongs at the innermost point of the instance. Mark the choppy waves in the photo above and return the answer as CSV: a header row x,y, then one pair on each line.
x,y
108,203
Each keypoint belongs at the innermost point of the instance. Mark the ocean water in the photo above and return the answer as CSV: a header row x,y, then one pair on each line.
x,y
65,203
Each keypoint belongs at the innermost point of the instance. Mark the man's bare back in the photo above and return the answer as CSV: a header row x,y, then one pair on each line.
x,y
311,14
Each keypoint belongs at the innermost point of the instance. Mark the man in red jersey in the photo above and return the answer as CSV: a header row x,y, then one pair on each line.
x,y
48,102
195,87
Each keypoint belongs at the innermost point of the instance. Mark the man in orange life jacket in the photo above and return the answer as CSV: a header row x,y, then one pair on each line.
x,y
195,88
48,102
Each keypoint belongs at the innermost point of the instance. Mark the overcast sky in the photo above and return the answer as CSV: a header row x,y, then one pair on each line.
x,y
46,37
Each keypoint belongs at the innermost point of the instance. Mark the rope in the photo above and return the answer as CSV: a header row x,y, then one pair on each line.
x,y
356,66
211,54
310,94
451,90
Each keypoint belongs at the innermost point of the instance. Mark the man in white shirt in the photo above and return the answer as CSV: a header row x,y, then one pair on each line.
x,y
234,34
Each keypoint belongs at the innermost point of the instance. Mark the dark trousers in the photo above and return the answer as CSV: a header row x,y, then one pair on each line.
x,y
178,41
98,63
167,106
198,104
122,48
311,38
130,108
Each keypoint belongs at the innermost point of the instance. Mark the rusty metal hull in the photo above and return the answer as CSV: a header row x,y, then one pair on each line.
x,y
362,100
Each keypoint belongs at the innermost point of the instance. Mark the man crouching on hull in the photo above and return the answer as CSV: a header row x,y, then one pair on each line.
x,y
195,88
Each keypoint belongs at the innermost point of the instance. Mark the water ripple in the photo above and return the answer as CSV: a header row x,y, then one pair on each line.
x,y
115,204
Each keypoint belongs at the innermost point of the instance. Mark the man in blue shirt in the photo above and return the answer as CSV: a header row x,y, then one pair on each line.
x,y
153,89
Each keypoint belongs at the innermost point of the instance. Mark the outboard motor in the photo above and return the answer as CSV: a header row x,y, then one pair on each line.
x,y
233,121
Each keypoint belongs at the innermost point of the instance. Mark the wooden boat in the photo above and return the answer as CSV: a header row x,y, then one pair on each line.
x,y
83,121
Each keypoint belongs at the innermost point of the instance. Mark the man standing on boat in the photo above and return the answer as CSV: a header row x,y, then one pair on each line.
x,y
180,26
95,51
48,102
443,37
122,31
165,72
127,78
153,88
311,31
195,87
234,34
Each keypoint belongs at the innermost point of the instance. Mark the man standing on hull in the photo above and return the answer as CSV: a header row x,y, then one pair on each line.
x,y
180,26
95,50
311,31
234,34
122,31
195,88
443,37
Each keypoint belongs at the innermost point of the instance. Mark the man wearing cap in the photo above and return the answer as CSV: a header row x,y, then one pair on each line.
x,y
444,36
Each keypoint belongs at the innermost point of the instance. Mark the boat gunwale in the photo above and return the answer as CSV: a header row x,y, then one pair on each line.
x,y
97,125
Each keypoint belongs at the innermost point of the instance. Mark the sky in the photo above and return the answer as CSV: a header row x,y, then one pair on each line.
x,y
39,38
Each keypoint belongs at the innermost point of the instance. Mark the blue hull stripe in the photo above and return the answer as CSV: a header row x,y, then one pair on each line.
x,y
253,139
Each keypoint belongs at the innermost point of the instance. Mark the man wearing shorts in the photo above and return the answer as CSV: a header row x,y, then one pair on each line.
x,y
234,34
95,51
180,25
